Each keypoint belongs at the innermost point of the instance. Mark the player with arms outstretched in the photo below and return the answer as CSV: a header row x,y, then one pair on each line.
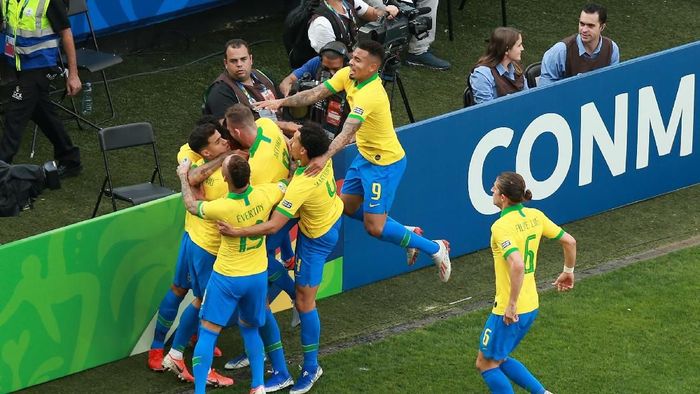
x,y
371,181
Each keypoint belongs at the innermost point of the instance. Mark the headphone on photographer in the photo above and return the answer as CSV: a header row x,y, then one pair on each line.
x,y
337,47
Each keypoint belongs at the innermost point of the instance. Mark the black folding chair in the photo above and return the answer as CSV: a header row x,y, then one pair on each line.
x,y
468,97
122,137
92,60
532,74
87,59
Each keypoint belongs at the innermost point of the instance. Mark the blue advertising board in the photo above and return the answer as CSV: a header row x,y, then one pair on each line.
x,y
584,145
115,15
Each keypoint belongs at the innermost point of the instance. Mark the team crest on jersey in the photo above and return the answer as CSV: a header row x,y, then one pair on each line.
x,y
505,244
287,204
358,111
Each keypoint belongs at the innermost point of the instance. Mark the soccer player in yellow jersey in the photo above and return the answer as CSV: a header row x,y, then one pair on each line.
x,y
239,280
315,200
167,310
269,162
515,239
199,251
370,184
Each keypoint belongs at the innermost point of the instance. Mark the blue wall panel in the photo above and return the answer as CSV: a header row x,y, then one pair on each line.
x,y
434,190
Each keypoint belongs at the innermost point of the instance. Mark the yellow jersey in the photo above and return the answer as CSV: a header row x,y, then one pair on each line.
x,y
315,199
519,229
243,256
187,152
205,233
376,138
269,156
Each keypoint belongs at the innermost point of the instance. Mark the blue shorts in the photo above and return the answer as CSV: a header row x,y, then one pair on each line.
x,y
182,273
226,293
199,264
377,184
312,253
498,340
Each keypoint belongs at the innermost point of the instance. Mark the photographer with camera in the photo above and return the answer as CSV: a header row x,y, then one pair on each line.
x,y
419,53
324,26
332,111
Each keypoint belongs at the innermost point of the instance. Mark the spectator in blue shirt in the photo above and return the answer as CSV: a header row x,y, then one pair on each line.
x,y
588,50
332,57
498,72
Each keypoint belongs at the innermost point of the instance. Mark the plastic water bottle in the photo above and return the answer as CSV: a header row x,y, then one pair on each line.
x,y
87,99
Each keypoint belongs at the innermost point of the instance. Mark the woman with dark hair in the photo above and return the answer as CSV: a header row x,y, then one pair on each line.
x,y
499,72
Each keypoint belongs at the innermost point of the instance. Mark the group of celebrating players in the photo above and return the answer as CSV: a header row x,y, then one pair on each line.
x,y
245,185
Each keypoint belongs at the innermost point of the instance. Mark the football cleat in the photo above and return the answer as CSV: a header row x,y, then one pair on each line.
x,y
257,390
239,362
278,382
218,380
442,260
306,381
412,253
178,367
155,360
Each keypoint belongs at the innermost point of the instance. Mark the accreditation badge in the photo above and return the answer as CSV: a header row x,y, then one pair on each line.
x,y
334,113
9,46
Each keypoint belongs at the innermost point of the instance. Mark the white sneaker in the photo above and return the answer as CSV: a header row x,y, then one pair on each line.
x,y
442,260
296,320
412,253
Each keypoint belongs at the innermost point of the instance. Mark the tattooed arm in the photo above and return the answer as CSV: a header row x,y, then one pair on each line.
x,y
350,127
188,197
199,174
300,99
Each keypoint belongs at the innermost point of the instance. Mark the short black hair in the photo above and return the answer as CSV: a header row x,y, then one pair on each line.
x,y
238,171
593,8
314,139
199,137
217,123
374,48
236,43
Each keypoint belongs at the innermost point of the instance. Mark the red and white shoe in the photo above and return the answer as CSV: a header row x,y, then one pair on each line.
x,y
258,390
442,260
155,360
218,380
412,253
178,367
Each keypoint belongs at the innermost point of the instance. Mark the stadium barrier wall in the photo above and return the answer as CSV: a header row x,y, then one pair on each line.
x,y
84,295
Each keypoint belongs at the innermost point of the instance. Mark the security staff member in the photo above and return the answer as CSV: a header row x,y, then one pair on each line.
x,y
331,112
32,31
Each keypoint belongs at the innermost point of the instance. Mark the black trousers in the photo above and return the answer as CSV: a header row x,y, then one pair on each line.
x,y
29,99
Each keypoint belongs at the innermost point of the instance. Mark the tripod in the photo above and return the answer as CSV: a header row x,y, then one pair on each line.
x,y
390,74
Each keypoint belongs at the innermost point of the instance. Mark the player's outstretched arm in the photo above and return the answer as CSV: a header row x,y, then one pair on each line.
x,y
300,99
199,174
188,197
565,280
516,268
272,226
350,128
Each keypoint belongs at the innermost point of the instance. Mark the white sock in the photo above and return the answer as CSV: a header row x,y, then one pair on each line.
x,y
176,354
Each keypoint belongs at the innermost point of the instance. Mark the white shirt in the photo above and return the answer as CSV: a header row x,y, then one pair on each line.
x,y
321,30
